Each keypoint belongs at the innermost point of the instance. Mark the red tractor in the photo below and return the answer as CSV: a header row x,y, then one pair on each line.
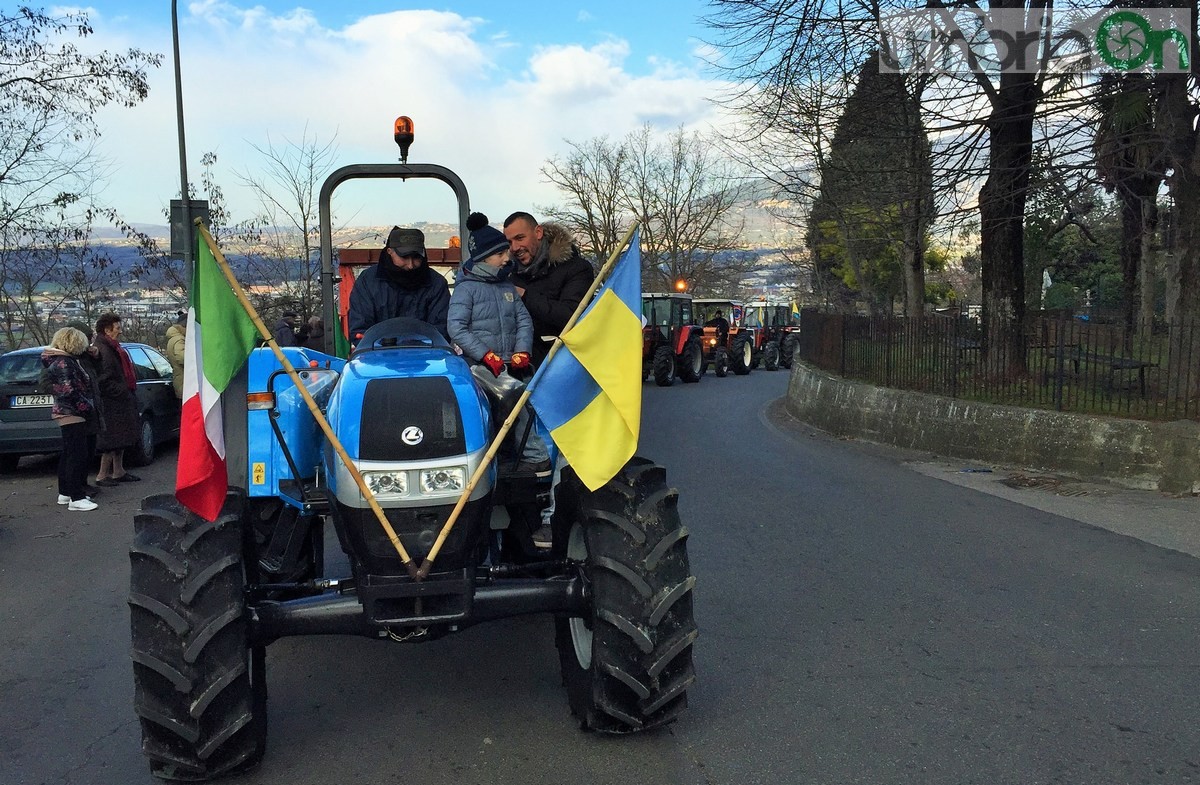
x,y
777,326
671,344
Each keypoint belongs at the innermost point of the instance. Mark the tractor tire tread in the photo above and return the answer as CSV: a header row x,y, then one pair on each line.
x,y
200,706
642,586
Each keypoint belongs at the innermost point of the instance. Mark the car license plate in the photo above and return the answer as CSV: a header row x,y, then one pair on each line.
x,y
19,401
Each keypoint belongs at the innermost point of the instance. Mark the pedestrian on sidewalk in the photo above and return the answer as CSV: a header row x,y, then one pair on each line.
x,y
75,411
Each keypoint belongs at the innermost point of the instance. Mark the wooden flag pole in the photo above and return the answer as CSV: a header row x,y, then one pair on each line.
x,y
315,410
427,565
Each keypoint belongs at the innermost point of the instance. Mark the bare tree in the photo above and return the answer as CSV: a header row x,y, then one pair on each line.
x,y
684,191
288,221
592,178
679,186
50,91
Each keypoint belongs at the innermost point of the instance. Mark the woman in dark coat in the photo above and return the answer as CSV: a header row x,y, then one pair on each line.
x,y
117,383
75,412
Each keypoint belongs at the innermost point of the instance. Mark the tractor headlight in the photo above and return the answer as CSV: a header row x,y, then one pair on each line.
x,y
386,484
443,480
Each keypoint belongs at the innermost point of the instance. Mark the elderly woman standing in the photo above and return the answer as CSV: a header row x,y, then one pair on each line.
x,y
75,411
117,384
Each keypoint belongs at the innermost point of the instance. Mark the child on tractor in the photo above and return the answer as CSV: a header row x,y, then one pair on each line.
x,y
490,324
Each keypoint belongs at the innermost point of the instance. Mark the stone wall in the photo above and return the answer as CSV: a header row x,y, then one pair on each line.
x,y
1130,453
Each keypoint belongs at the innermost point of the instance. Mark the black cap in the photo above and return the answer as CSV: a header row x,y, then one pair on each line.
x,y
406,241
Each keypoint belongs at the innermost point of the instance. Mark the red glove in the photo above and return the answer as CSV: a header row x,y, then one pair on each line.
x,y
494,363
520,360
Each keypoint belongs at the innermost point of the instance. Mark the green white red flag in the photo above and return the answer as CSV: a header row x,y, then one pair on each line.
x,y
220,336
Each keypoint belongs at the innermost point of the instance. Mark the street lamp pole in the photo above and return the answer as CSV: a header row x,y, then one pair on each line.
x,y
189,232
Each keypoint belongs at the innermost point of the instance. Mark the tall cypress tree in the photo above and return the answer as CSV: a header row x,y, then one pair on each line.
x,y
871,220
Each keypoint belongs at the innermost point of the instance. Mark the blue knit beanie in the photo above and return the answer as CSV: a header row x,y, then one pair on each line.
x,y
484,240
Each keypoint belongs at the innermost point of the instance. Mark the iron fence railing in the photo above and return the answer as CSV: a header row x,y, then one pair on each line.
x,y
1059,361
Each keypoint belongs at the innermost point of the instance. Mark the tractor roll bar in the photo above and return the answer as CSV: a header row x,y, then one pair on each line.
x,y
371,171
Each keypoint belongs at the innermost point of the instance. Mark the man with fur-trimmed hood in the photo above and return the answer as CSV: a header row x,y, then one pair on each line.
x,y
552,277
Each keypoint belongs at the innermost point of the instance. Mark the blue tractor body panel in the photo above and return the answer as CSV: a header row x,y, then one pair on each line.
x,y
339,388
266,463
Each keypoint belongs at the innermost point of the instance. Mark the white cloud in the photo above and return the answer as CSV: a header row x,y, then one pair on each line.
x,y
572,74
492,111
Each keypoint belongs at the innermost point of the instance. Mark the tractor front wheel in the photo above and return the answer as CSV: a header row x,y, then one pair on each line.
x,y
627,661
691,362
788,355
199,687
663,366
743,354
771,356
721,362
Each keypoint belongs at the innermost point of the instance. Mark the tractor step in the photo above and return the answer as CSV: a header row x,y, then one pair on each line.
x,y
304,496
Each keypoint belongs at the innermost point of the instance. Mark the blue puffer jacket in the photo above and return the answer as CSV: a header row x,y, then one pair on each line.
x,y
486,315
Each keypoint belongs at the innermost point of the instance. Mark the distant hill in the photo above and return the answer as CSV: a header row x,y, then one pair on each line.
x,y
763,231
157,231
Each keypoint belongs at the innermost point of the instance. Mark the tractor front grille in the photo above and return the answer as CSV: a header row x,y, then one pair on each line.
x,y
410,419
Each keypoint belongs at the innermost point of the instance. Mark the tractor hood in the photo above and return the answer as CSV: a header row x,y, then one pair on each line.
x,y
410,410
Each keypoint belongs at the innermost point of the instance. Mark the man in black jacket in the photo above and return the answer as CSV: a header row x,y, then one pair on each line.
x,y
401,284
552,277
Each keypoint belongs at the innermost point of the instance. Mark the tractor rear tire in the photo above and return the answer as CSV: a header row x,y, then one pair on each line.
x,y
664,366
199,687
771,356
721,362
788,355
743,355
627,662
691,362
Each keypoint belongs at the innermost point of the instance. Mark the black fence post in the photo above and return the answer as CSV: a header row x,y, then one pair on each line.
x,y
956,353
1060,354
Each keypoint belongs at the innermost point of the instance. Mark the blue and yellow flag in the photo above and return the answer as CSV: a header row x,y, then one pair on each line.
x,y
589,395
795,312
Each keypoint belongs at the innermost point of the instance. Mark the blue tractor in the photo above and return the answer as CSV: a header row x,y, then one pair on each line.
x,y
207,598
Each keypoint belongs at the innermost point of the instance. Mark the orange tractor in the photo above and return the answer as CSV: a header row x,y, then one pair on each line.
x,y
728,343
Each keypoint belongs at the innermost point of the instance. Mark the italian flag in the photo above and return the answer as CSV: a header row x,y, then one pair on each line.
x,y
220,336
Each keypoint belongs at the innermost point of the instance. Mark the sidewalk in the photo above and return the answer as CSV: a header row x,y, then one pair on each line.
x,y
1157,518
1167,521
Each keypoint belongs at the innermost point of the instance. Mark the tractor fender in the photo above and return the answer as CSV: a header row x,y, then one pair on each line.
x,y
685,334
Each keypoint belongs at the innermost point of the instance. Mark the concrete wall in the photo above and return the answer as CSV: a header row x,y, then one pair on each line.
x,y
1130,453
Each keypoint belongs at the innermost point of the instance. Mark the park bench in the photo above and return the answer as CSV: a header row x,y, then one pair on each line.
x,y
1113,363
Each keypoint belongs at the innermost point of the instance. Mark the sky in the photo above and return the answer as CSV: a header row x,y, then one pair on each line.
x,y
494,90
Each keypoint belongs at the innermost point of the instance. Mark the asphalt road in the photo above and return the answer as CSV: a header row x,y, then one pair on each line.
x,y
866,616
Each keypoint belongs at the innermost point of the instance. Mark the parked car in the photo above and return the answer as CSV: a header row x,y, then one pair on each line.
x,y
25,424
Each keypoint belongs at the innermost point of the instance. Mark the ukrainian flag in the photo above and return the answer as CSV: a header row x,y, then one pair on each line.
x,y
589,394
795,312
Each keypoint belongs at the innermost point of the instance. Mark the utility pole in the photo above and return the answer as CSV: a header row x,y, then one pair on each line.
x,y
187,230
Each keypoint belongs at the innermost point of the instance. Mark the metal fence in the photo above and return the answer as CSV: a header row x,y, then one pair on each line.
x,y
1062,362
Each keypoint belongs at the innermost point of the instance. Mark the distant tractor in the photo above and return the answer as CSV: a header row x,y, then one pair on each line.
x,y
727,349
778,337
671,344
